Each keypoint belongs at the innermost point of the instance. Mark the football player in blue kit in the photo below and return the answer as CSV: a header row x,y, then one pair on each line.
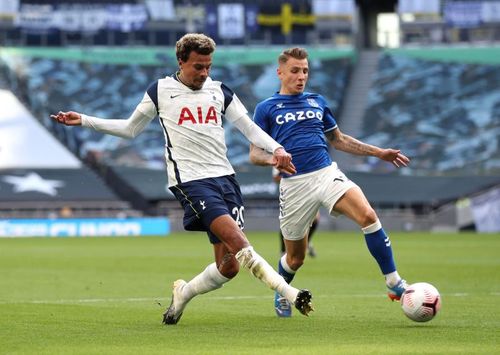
x,y
303,123
191,106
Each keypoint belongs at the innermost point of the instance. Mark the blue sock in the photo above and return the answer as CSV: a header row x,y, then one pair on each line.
x,y
286,275
380,247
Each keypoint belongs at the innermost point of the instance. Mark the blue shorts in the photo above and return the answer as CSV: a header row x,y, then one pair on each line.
x,y
206,199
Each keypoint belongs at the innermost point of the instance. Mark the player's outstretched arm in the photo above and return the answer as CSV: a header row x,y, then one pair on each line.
x,y
69,118
127,128
348,144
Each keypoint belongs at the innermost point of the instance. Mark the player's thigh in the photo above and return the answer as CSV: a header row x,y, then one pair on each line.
x,y
202,201
332,186
298,207
234,200
228,228
354,205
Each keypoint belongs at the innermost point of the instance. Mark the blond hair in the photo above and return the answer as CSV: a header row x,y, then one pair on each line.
x,y
295,52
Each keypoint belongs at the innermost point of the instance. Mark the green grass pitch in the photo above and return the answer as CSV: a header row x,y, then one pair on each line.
x,y
107,296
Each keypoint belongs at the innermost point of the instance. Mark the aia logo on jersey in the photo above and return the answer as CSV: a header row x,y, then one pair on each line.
x,y
200,118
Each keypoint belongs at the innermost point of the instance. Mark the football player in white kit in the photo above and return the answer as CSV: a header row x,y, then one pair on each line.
x,y
191,106
302,122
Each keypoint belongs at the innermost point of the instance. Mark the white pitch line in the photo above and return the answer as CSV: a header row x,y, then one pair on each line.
x,y
155,300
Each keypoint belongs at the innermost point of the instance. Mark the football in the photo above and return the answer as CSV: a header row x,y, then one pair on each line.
x,y
421,302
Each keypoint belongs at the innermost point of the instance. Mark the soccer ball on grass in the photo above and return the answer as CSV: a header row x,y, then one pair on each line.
x,y
421,302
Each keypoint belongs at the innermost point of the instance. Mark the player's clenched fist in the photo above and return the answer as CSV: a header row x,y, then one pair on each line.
x,y
69,118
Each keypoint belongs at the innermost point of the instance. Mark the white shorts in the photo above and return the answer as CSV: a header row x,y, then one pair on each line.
x,y
301,197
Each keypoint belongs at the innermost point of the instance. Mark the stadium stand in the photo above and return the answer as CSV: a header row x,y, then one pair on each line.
x,y
150,22
440,105
108,90
443,114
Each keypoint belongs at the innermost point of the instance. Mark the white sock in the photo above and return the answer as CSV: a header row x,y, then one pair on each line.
x,y
392,278
372,228
208,280
248,258
285,265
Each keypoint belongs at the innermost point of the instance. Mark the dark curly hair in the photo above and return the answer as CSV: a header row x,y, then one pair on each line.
x,y
190,42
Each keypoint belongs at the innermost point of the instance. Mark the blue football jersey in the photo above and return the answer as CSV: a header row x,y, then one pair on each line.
x,y
298,123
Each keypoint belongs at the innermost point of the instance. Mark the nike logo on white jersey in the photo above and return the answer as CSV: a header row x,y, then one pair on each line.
x,y
174,96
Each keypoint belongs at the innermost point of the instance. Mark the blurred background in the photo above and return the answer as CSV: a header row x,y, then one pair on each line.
x,y
422,76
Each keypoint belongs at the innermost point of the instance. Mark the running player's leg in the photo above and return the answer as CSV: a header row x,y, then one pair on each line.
x,y
354,205
298,209
236,242
295,251
216,205
213,277
299,206
195,197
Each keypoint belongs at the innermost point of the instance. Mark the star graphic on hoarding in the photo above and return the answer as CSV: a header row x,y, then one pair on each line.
x,y
33,182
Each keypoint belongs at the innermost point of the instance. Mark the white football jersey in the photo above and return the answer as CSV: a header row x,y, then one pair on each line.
x,y
192,125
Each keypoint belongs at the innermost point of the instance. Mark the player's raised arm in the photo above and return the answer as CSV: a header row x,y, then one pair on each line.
x,y
348,144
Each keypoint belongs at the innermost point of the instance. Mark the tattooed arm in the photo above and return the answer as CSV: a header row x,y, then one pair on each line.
x,y
348,144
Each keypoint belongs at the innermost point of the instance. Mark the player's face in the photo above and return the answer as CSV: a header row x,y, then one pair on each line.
x,y
194,71
293,76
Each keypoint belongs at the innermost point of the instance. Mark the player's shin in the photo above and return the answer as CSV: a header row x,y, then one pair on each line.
x,y
285,270
379,246
249,259
208,280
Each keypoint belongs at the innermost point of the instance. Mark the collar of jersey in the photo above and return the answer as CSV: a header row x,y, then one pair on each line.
x,y
175,76
278,95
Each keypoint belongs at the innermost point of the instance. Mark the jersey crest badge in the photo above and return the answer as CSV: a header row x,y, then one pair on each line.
x,y
312,102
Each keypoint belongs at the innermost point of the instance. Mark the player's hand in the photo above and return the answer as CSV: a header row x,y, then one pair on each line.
x,y
283,161
395,157
69,118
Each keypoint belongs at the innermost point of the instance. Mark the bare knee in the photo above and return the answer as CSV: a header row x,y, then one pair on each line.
x,y
228,266
233,238
367,217
295,261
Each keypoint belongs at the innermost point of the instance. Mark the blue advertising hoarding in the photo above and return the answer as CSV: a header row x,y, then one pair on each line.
x,y
92,227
